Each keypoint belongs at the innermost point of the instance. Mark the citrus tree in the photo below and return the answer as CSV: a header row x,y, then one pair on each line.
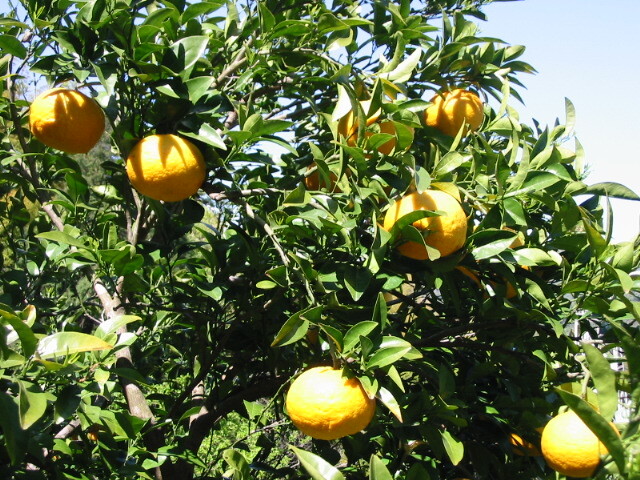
x,y
343,189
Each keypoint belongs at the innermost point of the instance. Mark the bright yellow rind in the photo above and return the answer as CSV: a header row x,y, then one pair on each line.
x,y
348,124
523,447
447,233
166,167
570,447
66,120
325,405
450,111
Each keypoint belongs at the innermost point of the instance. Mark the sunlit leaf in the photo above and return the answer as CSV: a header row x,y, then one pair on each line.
x,y
316,466
68,343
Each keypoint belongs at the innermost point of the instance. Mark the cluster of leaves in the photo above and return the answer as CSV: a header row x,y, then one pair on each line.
x,y
150,340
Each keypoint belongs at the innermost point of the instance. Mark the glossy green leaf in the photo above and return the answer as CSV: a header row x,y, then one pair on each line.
x,y
378,470
67,343
612,189
32,402
238,464
453,447
317,467
389,401
536,181
492,249
604,379
113,324
11,45
356,280
387,355
209,135
296,326
352,337
28,340
449,163
15,439
404,70
61,238
187,51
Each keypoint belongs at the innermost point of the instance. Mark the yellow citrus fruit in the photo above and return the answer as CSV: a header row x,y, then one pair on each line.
x,y
470,274
518,241
570,447
324,404
447,232
348,124
314,181
387,147
523,447
166,167
66,120
450,111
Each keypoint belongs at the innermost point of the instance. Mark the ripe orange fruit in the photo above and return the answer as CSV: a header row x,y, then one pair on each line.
x,y
570,447
450,111
446,233
523,447
348,124
66,120
166,167
387,147
315,182
470,274
324,404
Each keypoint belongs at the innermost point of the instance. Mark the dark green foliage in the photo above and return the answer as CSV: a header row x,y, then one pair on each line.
x,y
150,340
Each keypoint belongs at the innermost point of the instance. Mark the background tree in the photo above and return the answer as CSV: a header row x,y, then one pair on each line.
x,y
157,340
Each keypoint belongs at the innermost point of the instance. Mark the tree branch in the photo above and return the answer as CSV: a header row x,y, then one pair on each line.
x,y
210,414
136,401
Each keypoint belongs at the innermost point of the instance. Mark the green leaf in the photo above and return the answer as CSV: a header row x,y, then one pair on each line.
x,y
187,51
198,86
604,379
62,238
596,240
113,324
378,470
67,343
27,339
32,403
316,466
11,45
536,181
493,248
404,70
389,401
449,163
356,280
387,355
380,311
209,135
453,447
612,189
334,334
417,472
343,105
15,439
532,257
238,464
352,337
598,425
296,326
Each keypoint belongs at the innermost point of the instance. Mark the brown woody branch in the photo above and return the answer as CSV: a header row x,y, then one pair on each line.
x,y
136,400
211,413
235,195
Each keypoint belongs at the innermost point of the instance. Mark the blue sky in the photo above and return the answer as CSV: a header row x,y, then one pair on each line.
x,y
587,51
